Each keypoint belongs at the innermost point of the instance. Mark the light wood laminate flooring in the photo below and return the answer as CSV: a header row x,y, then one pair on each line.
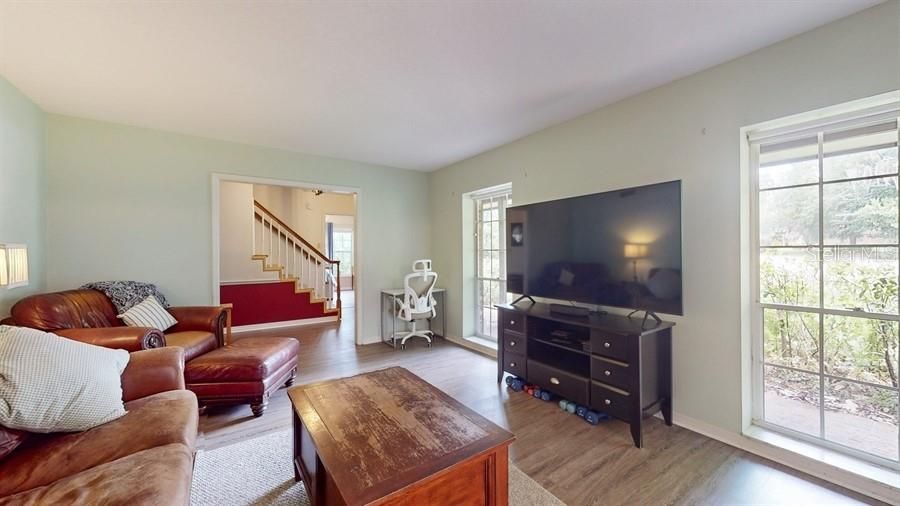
x,y
579,463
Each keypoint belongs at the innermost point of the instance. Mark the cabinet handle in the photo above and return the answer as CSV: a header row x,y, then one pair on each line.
x,y
512,343
512,364
607,402
512,322
554,380
607,373
606,344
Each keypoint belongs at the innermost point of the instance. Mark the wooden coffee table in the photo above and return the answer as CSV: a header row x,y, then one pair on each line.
x,y
389,437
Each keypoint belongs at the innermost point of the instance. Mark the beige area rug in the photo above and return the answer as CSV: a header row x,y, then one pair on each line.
x,y
258,472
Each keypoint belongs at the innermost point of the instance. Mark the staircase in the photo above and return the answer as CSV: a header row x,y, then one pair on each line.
x,y
284,251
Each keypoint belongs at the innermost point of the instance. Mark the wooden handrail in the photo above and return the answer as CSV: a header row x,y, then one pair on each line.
x,y
295,234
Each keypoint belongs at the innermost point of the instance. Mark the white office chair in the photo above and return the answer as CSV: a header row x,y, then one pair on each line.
x,y
418,302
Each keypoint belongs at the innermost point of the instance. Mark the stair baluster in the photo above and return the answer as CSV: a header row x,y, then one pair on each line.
x,y
281,249
269,235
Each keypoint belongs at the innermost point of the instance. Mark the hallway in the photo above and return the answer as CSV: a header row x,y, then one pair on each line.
x,y
348,299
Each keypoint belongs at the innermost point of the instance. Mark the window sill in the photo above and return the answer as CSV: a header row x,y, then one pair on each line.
x,y
857,474
479,344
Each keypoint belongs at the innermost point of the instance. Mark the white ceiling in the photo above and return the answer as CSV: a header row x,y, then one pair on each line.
x,y
412,84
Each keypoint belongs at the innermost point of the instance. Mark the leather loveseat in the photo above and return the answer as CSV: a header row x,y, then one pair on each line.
x,y
142,458
247,371
89,315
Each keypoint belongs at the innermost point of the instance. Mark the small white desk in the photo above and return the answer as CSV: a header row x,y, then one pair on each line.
x,y
389,318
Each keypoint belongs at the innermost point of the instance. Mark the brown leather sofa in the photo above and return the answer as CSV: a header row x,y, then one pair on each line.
x,y
247,371
142,458
80,314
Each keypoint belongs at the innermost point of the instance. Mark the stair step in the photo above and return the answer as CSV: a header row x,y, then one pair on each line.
x,y
298,289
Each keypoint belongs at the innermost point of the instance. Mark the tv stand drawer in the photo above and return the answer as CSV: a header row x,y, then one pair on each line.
x,y
610,345
615,373
568,385
514,363
611,400
513,321
513,342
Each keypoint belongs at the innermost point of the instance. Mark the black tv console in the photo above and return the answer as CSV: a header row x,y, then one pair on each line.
x,y
612,363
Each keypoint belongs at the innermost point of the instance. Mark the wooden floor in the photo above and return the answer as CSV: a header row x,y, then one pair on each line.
x,y
579,463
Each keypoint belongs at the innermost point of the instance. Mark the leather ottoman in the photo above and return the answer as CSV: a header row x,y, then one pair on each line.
x,y
245,371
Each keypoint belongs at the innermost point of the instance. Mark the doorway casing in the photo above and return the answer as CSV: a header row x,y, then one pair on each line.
x,y
218,178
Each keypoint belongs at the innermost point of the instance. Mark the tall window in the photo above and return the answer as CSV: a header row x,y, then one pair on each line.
x,y
490,257
343,250
825,222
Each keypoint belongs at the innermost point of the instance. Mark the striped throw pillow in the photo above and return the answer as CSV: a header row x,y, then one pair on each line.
x,y
148,313
53,384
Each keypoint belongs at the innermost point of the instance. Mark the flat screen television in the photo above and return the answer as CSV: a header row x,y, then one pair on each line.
x,y
618,248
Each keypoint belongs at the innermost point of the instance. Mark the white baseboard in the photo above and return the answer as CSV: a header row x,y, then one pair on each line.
x,y
278,325
884,484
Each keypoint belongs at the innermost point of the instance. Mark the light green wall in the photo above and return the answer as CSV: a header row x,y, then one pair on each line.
x,y
686,130
133,203
22,179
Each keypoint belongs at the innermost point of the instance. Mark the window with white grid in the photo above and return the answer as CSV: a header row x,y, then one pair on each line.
x,y
343,250
825,221
490,258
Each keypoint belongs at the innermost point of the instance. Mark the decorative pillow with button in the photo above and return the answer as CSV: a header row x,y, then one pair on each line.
x,y
53,384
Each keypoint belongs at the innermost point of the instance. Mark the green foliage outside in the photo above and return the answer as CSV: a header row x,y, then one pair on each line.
x,y
863,278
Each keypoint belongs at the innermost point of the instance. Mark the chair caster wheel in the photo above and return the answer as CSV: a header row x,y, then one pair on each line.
x,y
402,346
429,345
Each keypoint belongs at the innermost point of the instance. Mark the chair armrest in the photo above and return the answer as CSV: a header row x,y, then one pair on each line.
x,y
153,371
208,318
126,338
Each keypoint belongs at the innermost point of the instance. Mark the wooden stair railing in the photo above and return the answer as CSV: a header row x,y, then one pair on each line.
x,y
284,251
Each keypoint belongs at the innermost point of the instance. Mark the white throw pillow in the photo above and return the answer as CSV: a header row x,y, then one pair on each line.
x,y
53,384
148,313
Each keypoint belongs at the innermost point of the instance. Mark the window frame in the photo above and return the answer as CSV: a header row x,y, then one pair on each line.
x,y
821,126
345,270
503,196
